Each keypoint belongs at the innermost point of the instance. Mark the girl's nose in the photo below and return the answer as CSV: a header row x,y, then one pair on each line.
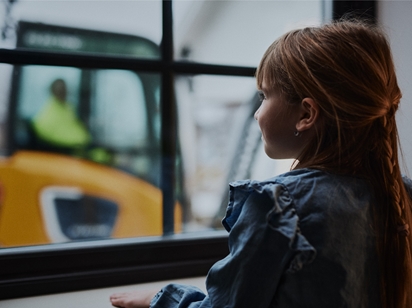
x,y
256,114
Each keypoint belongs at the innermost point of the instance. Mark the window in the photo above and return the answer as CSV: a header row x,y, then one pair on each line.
x,y
161,126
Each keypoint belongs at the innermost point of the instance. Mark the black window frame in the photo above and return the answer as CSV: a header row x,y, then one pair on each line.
x,y
40,270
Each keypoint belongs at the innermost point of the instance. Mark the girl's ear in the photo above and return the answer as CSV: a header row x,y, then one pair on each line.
x,y
309,114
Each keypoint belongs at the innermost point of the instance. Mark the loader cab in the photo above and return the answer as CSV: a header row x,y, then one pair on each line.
x,y
82,161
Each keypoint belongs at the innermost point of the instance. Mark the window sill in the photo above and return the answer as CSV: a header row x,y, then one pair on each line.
x,y
40,270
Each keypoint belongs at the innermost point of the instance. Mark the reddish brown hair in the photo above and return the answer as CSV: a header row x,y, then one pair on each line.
x,y
347,68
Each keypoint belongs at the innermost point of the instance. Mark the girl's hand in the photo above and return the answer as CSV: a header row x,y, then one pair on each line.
x,y
136,299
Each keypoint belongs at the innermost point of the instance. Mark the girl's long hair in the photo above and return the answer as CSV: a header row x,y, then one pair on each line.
x,y
347,68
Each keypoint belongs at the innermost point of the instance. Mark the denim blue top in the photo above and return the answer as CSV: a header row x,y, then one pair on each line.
x,y
301,239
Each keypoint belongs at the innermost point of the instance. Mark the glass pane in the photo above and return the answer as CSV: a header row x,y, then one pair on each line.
x,y
82,157
236,32
110,27
219,142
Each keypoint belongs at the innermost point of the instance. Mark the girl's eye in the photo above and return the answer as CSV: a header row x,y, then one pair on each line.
x,y
261,96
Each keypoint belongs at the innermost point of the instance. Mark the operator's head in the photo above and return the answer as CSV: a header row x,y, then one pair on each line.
x,y
59,90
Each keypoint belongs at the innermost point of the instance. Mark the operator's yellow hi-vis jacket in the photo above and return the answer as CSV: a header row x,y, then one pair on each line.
x,y
58,124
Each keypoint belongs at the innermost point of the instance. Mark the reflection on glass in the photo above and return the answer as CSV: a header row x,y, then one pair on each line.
x,y
236,32
83,156
110,27
220,142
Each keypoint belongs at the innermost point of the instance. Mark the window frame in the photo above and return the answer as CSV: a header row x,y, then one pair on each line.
x,y
31,271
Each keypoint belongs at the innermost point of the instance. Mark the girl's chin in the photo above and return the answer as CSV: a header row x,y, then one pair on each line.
x,y
273,154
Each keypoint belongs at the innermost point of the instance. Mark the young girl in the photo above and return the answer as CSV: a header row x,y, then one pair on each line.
x,y
334,231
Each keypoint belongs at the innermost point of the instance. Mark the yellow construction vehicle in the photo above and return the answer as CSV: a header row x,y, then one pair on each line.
x,y
56,187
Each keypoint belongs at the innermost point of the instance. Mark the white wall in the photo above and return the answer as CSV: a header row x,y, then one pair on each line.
x,y
395,16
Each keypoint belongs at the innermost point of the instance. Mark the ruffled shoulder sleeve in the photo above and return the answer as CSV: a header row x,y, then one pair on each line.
x,y
281,215
264,243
